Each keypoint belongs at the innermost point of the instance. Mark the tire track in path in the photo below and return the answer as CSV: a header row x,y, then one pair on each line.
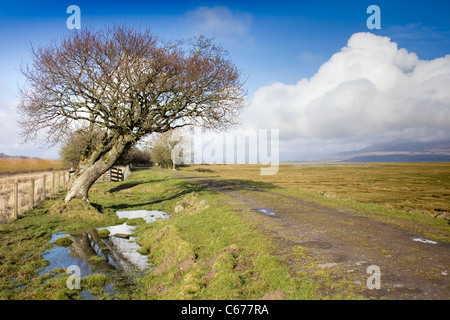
x,y
345,244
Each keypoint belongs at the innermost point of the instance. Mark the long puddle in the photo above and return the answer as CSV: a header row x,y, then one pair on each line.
x,y
115,255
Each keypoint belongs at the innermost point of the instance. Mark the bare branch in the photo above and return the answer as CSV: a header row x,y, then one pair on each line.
x,y
127,84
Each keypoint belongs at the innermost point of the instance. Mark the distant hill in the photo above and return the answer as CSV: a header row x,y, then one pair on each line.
x,y
5,156
400,158
397,152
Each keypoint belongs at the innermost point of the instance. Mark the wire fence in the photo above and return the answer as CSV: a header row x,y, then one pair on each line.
x,y
19,193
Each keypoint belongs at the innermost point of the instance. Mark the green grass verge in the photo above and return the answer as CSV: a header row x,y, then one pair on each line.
x,y
205,250
23,241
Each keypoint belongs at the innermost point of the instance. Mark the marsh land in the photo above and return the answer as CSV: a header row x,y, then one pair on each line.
x,y
309,232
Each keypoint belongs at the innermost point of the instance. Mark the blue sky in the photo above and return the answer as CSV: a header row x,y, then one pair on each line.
x,y
273,42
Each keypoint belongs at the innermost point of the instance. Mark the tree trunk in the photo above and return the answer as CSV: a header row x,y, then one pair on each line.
x,y
80,186
83,181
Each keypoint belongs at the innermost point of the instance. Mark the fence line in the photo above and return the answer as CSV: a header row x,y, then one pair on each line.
x,y
20,195
115,174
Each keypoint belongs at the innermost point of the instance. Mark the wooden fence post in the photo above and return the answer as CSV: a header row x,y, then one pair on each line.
x,y
53,183
64,181
32,193
58,185
16,200
43,187
6,202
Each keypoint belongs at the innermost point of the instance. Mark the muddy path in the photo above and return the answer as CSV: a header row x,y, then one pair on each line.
x,y
344,244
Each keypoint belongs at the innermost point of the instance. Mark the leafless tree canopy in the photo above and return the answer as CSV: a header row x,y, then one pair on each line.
x,y
130,83
127,84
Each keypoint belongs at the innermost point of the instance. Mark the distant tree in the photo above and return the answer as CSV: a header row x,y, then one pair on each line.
x,y
78,146
170,148
160,153
125,84
135,156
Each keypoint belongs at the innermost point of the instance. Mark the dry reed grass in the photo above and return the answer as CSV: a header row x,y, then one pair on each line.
x,y
12,165
411,187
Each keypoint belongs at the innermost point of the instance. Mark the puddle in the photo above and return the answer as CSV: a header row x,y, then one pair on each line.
x,y
124,250
114,256
266,211
423,240
148,216
78,253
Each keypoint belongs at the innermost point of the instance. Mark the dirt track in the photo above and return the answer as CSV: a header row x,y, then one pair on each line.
x,y
345,244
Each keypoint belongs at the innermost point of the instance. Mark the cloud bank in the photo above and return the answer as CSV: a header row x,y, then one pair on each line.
x,y
370,90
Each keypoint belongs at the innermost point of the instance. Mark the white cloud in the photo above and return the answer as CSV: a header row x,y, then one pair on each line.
x,y
219,22
369,90
10,141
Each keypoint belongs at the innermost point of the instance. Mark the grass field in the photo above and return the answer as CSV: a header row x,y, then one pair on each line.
x,y
206,251
411,187
210,249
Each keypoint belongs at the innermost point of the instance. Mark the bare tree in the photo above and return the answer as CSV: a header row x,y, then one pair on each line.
x,y
171,148
125,84
135,156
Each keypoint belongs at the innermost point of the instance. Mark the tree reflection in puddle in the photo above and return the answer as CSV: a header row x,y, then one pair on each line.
x,y
113,256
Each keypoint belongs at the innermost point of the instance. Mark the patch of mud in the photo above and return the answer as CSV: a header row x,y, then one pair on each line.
x,y
274,295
